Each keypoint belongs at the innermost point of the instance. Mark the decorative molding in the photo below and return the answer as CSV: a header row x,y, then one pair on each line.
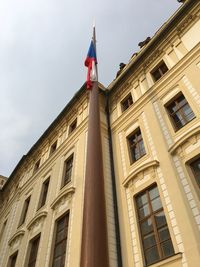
x,y
16,237
67,193
184,139
183,26
36,220
137,171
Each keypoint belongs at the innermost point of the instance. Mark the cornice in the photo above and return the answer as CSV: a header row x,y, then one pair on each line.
x,y
64,194
40,215
184,139
145,166
18,234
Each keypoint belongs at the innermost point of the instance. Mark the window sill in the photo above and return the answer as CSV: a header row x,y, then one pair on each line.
x,y
166,261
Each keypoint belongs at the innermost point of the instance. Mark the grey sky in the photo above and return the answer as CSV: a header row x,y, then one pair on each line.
x,y
43,44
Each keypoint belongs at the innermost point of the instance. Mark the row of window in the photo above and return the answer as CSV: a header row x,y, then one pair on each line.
x,y
178,109
53,147
156,73
66,178
137,150
58,249
154,232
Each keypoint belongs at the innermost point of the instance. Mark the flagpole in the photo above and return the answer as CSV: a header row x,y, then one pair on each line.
x,y
94,246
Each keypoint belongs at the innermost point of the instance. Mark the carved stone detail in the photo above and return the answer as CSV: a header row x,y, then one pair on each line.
x,y
16,239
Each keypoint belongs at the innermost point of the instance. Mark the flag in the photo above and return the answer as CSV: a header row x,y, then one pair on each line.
x,y
90,63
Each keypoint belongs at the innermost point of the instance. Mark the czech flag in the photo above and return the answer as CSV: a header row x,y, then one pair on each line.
x,y
90,63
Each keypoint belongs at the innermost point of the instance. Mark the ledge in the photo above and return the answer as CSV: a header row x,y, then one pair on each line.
x,y
183,139
153,163
37,217
165,262
64,193
16,235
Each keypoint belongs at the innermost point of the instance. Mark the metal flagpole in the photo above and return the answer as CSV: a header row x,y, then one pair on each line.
x,y
94,247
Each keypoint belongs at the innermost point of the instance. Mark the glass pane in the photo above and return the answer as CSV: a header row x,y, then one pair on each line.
x,y
160,219
149,240
60,236
141,200
57,262
152,255
61,224
189,115
164,234
153,193
181,101
144,211
146,227
196,169
156,204
167,248
58,250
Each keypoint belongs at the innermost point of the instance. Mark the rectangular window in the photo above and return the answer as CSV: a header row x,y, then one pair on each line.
x,y
53,148
67,172
12,260
43,195
156,240
60,244
34,244
136,145
180,112
195,165
72,126
25,210
159,71
126,102
37,165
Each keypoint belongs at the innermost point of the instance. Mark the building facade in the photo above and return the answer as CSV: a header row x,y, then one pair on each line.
x,y
150,129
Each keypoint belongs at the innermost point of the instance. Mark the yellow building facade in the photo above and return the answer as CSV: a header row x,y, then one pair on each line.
x,y
150,129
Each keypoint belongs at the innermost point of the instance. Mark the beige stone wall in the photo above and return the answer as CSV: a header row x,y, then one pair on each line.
x,y
167,152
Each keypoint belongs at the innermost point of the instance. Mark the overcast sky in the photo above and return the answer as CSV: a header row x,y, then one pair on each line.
x,y
43,44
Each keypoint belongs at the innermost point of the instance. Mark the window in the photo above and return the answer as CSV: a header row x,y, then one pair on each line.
x,y
12,260
155,235
43,195
180,112
53,148
126,102
60,244
136,146
72,126
159,71
25,210
34,244
195,165
67,173
37,165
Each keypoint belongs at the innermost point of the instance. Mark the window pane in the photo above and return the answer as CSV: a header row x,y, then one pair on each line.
x,y
149,240
153,193
144,211
164,234
141,200
189,115
57,262
167,248
152,255
146,227
156,204
160,219
196,169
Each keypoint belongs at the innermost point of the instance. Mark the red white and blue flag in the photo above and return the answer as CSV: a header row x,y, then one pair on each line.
x,y
90,63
